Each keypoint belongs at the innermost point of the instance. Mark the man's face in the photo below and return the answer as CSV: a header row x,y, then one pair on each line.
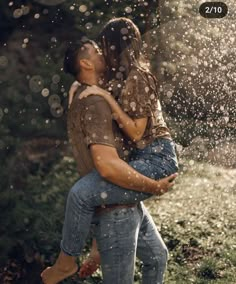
x,y
96,58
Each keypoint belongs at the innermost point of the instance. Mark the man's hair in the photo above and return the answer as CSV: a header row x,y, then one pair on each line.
x,y
75,50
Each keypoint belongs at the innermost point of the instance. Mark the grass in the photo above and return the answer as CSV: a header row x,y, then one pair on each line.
x,y
197,222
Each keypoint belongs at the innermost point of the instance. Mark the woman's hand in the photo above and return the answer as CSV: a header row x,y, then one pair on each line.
x,y
94,90
72,91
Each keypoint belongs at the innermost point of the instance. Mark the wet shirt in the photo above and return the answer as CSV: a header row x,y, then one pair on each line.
x,y
89,122
139,99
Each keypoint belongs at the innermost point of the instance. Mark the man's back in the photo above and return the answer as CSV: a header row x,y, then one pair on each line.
x,y
89,122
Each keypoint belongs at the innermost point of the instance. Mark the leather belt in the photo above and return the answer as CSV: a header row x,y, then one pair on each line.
x,y
110,207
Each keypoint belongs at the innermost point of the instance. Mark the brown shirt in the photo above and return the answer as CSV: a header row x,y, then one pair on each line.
x,y
89,122
139,99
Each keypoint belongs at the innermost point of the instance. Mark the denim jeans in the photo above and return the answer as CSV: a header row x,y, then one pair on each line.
x,y
121,235
155,161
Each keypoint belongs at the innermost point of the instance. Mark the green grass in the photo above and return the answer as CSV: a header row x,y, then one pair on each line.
x,y
197,222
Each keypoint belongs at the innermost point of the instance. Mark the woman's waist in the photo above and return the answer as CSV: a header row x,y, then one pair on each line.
x,y
159,146
149,140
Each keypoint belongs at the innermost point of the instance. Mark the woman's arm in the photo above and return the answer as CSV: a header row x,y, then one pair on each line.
x,y
133,128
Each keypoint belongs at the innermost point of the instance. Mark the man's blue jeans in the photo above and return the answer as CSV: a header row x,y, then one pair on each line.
x,y
155,161
121,235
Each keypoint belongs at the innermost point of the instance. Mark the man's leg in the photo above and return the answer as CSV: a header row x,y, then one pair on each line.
x,y
151,250
116,234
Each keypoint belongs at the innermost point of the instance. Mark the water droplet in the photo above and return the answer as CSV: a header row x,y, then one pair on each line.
x,y
124,31
25,10
17,13
103,195
56,110
54,99
89,26
128,10
36,84
37,16
56,79
152,97
83,8
133,105
191,162
54,39
45,92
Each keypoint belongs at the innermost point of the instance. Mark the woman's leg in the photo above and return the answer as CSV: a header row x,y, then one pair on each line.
x,y
151,250
64,267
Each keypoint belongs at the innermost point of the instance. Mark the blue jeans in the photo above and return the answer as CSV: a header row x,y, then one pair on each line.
x,y
155,161
121,235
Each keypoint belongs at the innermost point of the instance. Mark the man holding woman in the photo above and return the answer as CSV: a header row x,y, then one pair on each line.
x,y
151,156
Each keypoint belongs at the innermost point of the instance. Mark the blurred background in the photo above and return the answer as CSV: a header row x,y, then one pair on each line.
x,y
194,59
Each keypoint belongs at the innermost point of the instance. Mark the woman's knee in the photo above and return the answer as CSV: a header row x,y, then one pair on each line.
x,y
78,193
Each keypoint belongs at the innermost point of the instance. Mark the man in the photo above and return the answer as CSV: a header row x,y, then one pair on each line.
x,y
97,143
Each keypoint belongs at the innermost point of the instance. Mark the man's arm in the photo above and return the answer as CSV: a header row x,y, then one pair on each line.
x,y
100,139
115,170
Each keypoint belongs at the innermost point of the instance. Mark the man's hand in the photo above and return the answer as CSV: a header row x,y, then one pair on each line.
x,y
164,184
115,170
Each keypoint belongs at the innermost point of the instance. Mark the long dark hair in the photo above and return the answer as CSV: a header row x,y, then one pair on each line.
x,y
121,42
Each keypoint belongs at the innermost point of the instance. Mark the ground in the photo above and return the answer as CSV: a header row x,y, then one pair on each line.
x,y
197,221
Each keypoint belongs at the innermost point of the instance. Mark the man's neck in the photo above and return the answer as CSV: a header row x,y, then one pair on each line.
x,y
91,79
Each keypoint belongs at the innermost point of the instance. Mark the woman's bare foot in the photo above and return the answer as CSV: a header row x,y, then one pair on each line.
x,y
64,267
90,265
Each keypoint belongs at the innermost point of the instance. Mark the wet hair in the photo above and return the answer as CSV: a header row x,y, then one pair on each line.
x,y
121,41
75,50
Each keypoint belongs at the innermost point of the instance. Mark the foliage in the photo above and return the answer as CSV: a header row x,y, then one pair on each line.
x,y
35,215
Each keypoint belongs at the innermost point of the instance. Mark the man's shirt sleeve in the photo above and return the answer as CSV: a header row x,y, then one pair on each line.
x,y
97,122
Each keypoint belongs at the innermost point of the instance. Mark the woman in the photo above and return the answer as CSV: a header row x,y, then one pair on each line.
x,y
152,150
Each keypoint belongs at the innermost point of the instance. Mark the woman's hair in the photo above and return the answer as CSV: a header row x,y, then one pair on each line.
x,y
121,43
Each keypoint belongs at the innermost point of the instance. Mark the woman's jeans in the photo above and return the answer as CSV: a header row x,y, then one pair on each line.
x,y
156,161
